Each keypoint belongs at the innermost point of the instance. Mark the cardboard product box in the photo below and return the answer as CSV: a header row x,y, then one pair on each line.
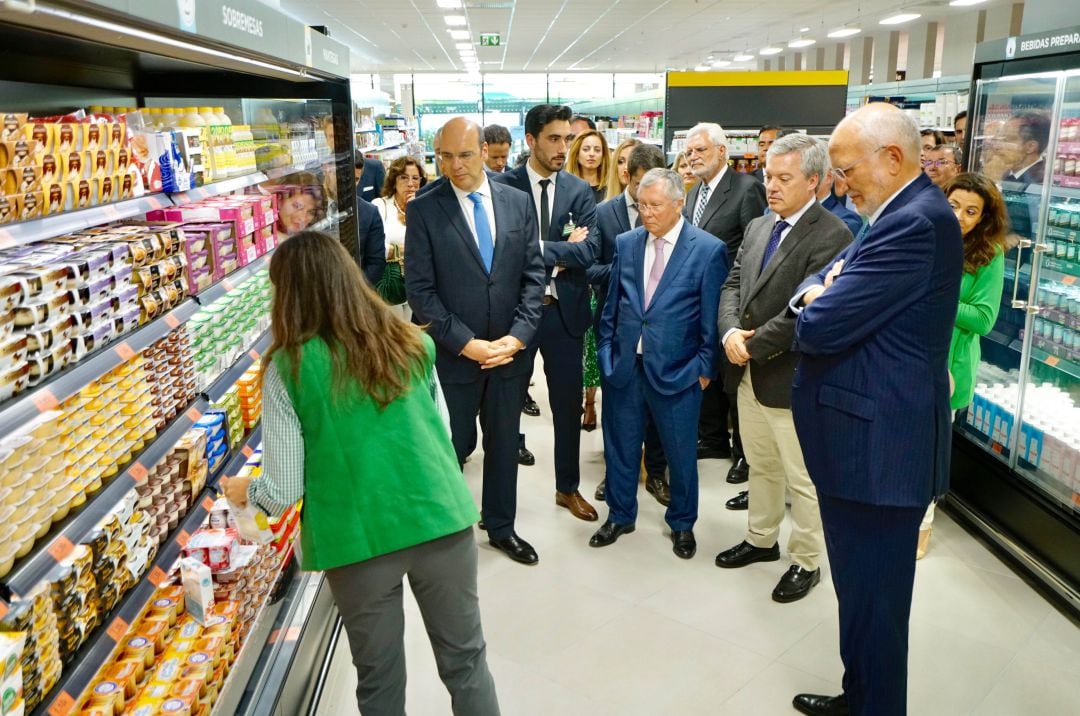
x,y
95,136
118,135
43,133
11,126
159,161
68,137
81,193
26,179
189,141
29,205
107,189
51,165
56,199
74,165
101,162
240,215
18,153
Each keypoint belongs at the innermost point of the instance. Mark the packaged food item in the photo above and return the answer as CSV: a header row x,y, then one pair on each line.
x,y
11,649
198,588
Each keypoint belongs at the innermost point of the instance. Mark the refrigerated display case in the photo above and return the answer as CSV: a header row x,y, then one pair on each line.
x,y
1016,457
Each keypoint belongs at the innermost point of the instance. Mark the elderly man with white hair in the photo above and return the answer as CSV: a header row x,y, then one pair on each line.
x,y
871,397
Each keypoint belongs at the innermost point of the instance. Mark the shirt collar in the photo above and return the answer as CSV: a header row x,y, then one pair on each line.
x,y
483,190
794,218
672,236
881,209
716,179
535,178
1029,166
629,200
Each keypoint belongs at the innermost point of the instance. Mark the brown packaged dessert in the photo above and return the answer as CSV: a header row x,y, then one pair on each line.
x,y
11,126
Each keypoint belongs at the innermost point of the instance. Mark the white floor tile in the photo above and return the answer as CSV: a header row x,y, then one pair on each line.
x,y
1028,687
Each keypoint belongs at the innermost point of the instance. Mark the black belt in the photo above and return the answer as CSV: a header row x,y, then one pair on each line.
x,y
549,300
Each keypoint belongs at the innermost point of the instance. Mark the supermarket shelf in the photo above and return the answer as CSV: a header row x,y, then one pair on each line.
x,y
1063,364
219,387
222,187
18,411
382,147
1061,270
227,284
96,651
30,570
49,227
237,461
366,131
1066,186
281,172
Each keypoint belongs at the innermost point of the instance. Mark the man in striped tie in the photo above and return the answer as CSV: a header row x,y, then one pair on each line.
x,y
657,348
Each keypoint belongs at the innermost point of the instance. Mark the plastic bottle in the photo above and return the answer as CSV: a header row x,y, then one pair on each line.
x,y
223,154
166,117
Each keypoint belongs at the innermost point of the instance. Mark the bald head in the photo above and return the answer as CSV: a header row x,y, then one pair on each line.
x,y
462,153
875,152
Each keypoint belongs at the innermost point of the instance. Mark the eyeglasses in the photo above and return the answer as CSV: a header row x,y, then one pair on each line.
x,y
651,208
406,177
842,174
937,163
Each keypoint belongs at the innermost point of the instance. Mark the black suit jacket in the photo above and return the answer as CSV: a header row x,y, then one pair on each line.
x,y
612,220
449,289
372,238
737,200
372,180
758,300
572,196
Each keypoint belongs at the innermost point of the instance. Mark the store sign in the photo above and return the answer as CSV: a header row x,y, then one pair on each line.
x,y
328,55
1051,42
490,39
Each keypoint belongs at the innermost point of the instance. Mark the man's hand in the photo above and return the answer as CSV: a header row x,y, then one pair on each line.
x,y
479,350
235,489
504,350
735,347
579,234
704,382
811,294
834,272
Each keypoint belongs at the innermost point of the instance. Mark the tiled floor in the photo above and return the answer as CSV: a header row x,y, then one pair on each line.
x,y
631,629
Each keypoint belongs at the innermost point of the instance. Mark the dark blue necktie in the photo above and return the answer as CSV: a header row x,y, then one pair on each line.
x,y
774,243
483,230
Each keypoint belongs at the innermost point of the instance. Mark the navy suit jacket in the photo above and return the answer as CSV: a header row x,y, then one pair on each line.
x,y
612,220
449,289
372,180
871,394
572,196
372,240
680,341
849,217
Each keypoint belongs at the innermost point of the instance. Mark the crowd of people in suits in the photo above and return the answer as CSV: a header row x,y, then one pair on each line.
x,y
815,324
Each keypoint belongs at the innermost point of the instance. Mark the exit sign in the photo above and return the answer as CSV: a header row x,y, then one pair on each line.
x,y
490,39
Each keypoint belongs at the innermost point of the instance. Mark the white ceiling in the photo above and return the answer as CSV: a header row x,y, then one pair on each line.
x,y
590,35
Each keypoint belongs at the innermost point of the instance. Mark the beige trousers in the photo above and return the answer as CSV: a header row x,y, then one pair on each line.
x,y
777,466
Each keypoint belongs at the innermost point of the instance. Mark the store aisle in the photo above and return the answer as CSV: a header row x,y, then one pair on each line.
x,y
631,629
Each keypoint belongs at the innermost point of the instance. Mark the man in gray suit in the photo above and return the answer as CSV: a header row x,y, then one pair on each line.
x,y
778,252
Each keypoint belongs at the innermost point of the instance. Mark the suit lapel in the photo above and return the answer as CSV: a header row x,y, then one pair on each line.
x,y
452,208
718,197
620,213
639,266
560,205
683,248
502,217
789,245
752,252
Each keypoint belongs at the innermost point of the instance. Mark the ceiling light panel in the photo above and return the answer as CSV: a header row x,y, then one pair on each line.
x,y
448,4
459,34
900,18
844,32
455,20
770,50
801,42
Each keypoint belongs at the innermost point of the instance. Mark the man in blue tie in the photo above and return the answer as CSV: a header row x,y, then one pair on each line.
x,y
658,350
474,275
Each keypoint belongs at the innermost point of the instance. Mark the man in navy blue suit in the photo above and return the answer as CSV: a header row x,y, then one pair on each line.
x,y
871,397
559,200
658,348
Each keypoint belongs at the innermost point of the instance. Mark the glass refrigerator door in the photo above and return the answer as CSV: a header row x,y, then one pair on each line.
x,y
1050,429
1003,109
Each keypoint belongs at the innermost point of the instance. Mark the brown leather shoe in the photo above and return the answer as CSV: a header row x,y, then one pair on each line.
x,y
577,505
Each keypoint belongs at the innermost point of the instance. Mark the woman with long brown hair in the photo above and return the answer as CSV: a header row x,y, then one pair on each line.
x,y
980,209
352,426
590,160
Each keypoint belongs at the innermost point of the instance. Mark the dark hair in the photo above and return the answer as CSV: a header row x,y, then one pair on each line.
x,y
583,118
496,134
962,114
939,138
645,156
988,237
1033,124
358,161
320,292
397,168
522,158
957,152
770,128
544,114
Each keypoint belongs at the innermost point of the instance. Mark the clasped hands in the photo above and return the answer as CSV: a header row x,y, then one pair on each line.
x,y
735,347
814,291
492,354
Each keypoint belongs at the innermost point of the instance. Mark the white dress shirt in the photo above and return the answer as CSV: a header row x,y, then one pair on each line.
x,y
534,183
467,208
631,208
670,239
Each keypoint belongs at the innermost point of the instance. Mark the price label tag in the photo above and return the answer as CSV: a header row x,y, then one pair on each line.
x,y
110,212
171,320
44,400
118,629
248,451
157,576
292,633
227,285
139,472
254,354
996,447
4,608
125,351
62,705
1052,361
154,202
193,415
61,548
1069,280
183,538
208,503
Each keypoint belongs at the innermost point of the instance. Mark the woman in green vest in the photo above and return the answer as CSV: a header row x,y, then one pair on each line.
x,y
980,209
351,425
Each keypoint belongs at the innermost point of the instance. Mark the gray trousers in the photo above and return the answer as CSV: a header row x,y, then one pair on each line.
x,y
442,574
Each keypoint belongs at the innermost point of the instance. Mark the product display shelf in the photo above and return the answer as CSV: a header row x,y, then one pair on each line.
x,y
1060,270
222,187
21,409
236,462
48,227
55,547
78,675
219,387
1062,190
1065,365
282,172
230,282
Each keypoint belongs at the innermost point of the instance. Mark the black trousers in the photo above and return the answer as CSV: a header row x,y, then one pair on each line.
x,y
717,408
564,372
497,400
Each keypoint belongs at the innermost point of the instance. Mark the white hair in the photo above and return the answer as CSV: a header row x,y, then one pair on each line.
x,y
670,181
814,158
880,127
712,130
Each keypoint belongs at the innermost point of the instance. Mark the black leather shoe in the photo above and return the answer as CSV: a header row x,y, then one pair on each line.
x,y
525,457
795,584
711,451
745,553
815,705
659,489
739,472
481,525
516,549
683,544
530,408
601,491
608,533
741,501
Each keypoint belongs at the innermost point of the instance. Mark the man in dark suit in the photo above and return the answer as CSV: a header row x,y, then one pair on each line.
x,y
795,240
765,138
839,209
370,176
722,203
372,238
613,217
871,397
561,200
498,140
473,273
657,349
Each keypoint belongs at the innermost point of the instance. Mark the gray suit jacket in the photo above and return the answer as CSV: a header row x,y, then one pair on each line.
x,y
737,200
758,300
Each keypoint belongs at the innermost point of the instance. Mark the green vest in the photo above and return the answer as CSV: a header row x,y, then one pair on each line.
x,y
375,481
